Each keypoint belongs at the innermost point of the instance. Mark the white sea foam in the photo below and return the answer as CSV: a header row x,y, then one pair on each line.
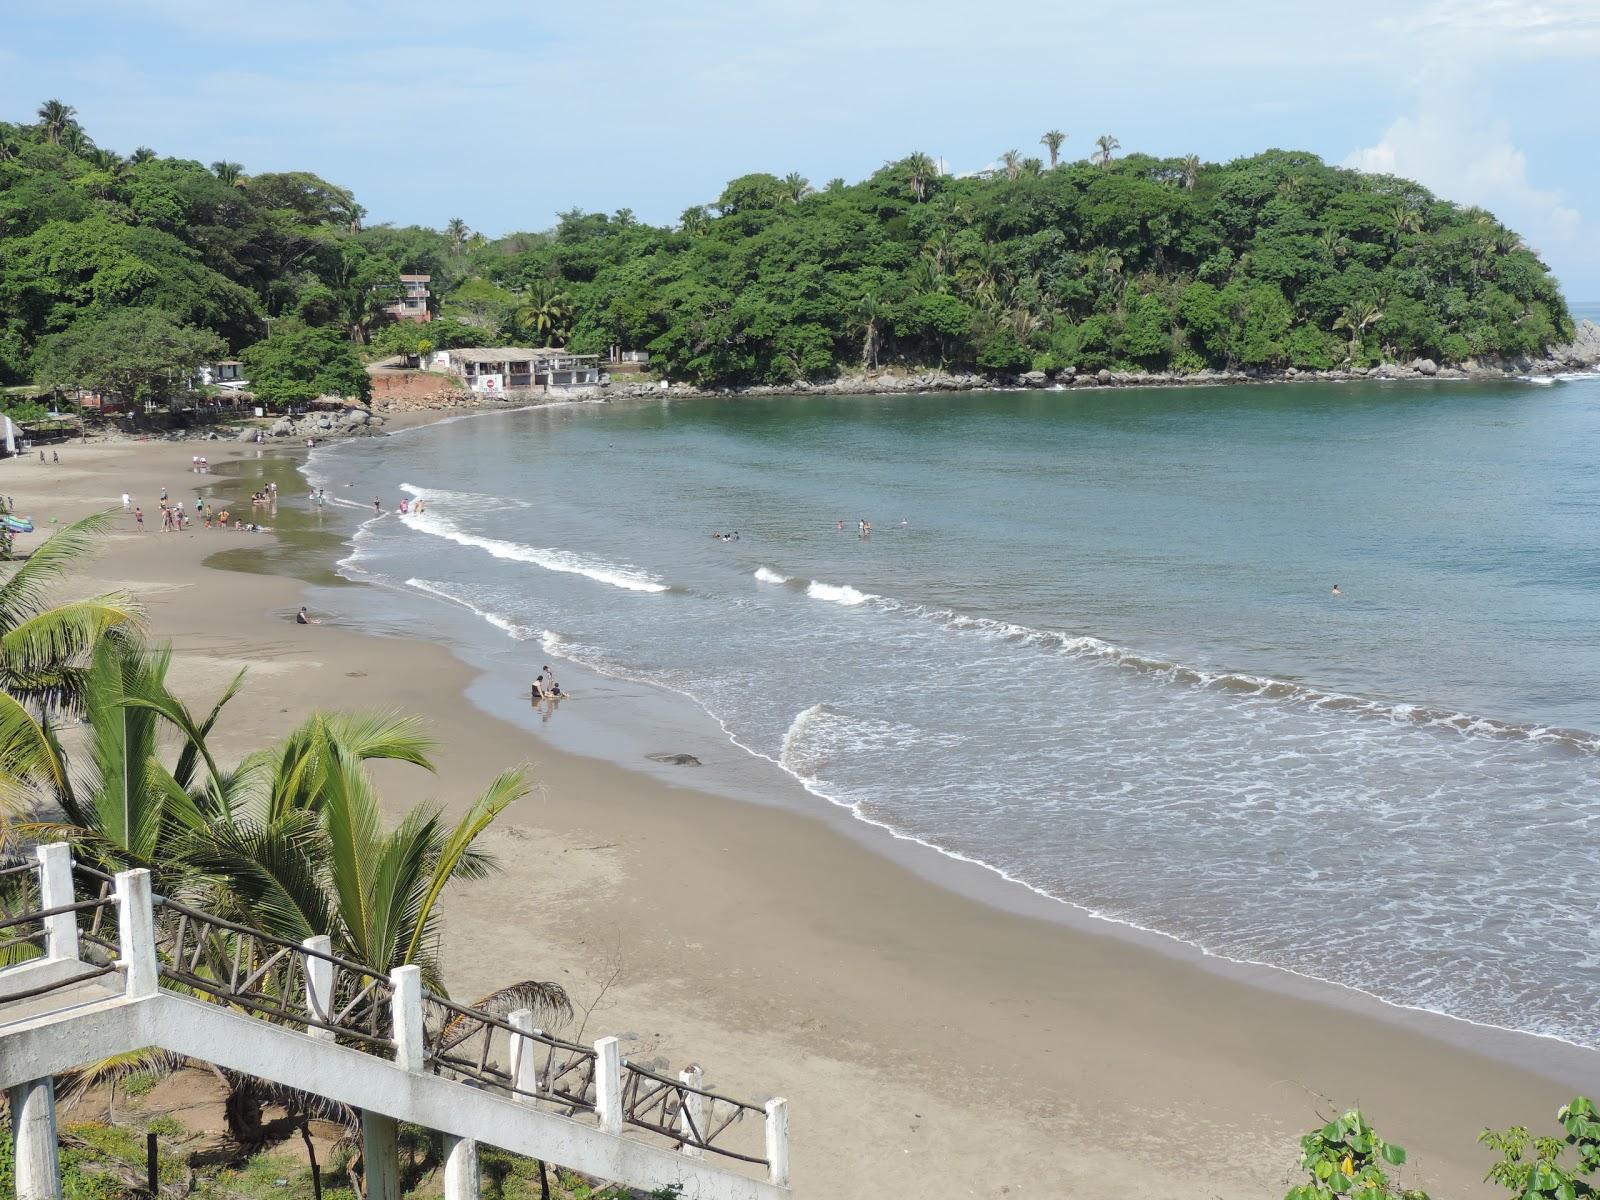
x,y
521,632
838,593
550,558
767,575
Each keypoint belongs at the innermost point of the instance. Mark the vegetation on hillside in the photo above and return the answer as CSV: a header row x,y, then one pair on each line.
x,y
1129,262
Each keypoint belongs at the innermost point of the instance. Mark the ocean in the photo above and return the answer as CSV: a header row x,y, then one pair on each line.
x,y
1091,642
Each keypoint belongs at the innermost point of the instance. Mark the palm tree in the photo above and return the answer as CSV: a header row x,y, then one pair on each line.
x,y
1191,171
457,232
796,186
1107,146
10,147
120,806
1290,187
1403,219
54,119
836,184
44,648
922,170
1011,160
1033,167
544,314
694,220
1358,317
1052,142
231,173
75,140
1334,244
142,155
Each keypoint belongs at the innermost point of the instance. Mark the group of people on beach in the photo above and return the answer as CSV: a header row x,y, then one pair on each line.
x,y
174,518
545,686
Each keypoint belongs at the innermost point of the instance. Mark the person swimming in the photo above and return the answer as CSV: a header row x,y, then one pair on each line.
x,y
1336,590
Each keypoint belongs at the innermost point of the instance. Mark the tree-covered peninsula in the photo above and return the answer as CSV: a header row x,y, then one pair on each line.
x,y
1132,263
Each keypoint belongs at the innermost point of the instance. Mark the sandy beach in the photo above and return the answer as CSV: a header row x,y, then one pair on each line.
x,y
932,1040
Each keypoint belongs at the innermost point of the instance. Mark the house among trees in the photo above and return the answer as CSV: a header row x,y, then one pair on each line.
x,y
413,306
227,373
491,370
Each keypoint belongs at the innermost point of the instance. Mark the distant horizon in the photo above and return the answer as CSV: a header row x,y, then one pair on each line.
x,y
505,113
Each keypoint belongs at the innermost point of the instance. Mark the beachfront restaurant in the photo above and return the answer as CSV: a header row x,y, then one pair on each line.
x,y
505,368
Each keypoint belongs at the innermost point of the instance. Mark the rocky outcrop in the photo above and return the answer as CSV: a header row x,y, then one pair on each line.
x,y
348,422
1582,353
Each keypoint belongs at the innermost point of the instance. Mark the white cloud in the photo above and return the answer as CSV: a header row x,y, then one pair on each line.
x,y
1473,162
1456,141
1567,28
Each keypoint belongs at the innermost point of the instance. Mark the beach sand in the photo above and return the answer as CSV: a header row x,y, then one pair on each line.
x,y
930,1042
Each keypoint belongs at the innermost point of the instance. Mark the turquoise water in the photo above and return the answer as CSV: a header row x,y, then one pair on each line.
x,y
1090,642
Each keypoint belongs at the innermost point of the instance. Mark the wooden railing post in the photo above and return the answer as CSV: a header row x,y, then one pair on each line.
x,y
407,1016
56,891
319,985
778,1142
136,933
608,1084
524,1057
692,1116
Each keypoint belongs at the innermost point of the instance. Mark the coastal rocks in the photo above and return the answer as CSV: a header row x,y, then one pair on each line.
x,y
1103,378
675,760
1425,366
1035,378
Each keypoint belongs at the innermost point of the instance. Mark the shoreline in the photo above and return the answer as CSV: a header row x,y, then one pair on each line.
x,y
880,1001
962,874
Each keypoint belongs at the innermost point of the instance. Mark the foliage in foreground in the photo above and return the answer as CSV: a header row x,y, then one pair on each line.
x,y
1347,1158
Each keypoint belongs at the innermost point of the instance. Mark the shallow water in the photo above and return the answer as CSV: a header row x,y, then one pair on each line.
x,y
1091,643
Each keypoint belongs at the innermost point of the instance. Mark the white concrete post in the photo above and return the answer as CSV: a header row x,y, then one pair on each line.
x,y
778,1142
524,1057
136,933
407,1015
56,891
319,985
608,1084
380,1155
33,1134
694,1110
460,1168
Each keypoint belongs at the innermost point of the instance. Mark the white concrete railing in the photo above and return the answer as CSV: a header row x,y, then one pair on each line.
x,y
335,999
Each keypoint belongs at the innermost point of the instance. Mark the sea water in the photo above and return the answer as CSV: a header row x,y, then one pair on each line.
x,y
1091,641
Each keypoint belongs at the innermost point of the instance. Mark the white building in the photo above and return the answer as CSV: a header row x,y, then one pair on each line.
x,y
495,369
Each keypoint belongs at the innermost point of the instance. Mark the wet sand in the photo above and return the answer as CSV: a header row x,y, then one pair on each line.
x,y
932,1040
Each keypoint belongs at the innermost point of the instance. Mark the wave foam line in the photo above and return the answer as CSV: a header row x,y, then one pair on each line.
x,y
768,575
549,558
521,633
1242,684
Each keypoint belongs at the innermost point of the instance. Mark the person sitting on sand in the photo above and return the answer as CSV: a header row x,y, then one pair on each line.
x,y
304,618
538,689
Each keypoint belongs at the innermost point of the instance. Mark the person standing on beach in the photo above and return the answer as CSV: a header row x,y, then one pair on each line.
x,y
377,505
138,519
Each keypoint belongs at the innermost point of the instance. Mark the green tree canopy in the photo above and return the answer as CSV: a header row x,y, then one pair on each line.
x,y
299,363
134,354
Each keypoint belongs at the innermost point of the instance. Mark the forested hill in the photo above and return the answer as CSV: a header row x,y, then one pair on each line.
x,y
1275,260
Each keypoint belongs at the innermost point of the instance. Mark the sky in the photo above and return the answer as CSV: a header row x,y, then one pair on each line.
x,y
505,113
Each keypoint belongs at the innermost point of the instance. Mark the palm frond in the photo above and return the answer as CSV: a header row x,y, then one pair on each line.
x,y
150,1060
37,650
455,856
30,759
27,592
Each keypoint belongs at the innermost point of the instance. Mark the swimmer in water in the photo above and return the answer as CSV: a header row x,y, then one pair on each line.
x,y
1336,590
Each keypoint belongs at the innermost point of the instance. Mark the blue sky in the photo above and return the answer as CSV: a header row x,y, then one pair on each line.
x,y
505,113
